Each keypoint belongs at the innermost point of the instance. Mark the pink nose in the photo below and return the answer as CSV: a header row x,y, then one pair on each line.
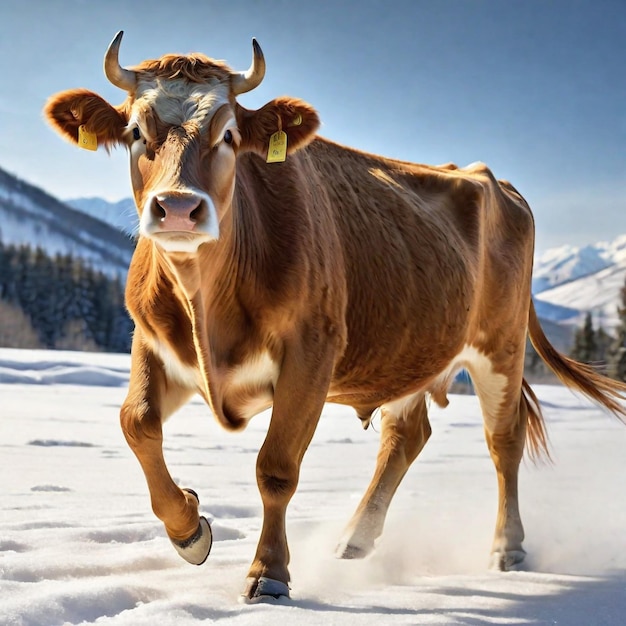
x,y
178,211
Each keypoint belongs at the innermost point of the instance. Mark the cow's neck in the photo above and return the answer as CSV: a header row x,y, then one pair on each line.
x,y
184,272
216,288
232,288
271,225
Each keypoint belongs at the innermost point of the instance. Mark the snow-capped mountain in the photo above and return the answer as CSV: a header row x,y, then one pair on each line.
x,y
567,263
569,282
121,215
30,216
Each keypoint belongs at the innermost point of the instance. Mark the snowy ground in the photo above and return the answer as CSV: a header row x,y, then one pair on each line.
x,y
80,545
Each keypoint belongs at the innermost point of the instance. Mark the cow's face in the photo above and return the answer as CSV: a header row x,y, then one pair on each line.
x,y
183,129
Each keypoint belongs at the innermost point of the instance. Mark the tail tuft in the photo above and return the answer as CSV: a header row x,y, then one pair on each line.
x,y
536,435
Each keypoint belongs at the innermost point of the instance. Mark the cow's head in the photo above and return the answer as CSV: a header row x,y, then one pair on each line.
x,y
183,129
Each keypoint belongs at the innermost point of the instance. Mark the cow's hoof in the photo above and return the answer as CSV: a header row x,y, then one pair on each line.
x,y
193,493
195,550
507,561
348,551
263,590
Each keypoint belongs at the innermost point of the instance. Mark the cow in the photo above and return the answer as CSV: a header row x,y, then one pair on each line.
x,y
276,268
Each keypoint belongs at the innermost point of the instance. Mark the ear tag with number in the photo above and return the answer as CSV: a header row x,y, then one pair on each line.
x,y
87,140
277,152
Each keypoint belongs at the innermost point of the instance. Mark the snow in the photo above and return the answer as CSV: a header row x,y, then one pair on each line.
x,y
567,263
31,217
598,293
570,281
121,214
23,229
80,545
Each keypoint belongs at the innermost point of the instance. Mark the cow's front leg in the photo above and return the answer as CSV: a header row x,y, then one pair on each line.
x,y
299,397
151,399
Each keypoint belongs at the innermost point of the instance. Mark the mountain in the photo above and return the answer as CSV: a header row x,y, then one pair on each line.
x,y
122,215
569,282
567,263
30,216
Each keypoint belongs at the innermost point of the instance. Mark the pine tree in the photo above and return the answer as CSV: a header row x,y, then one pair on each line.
x,y
617,351
43,285
5,271
121,326
585,347
8,289
603,347
60,303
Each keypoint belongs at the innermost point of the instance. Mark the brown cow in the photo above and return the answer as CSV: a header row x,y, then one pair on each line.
x,y
332,275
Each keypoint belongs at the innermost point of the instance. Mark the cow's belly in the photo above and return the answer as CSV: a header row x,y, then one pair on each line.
x,y
382,379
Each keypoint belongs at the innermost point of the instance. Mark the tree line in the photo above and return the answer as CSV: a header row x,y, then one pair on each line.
x,y
59,302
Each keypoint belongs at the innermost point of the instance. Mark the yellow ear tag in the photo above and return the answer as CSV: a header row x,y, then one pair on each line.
x,y
87,140
277,152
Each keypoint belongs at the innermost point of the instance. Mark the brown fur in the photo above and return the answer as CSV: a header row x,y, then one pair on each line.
x,y
363,280
195,68
67,111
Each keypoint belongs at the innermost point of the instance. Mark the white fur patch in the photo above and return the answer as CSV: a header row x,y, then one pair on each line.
x,y
175,370
402,407
490,385
258,371
178,101
253,381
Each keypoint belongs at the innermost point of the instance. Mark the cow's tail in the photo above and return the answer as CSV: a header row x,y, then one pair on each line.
x,y
536,437
608,393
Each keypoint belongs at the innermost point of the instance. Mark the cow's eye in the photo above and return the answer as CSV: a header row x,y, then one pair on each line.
x,y
228,137
136,134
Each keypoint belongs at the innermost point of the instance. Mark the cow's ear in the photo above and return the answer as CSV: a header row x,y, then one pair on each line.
x,y
69,110
296,118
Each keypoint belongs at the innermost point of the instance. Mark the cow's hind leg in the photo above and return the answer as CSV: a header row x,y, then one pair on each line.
x,y
505,413
405,431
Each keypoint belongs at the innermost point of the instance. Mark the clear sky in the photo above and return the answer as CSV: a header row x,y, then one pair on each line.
x,y
534,88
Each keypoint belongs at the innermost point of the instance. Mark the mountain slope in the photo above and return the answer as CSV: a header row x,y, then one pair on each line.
x,y
598,293
567,263
569,282
30,216
122,215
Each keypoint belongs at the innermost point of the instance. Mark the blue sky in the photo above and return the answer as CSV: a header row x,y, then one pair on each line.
x,y
534,88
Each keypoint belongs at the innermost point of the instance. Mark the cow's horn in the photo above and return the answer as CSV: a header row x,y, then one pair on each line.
x,y
120,77
248,80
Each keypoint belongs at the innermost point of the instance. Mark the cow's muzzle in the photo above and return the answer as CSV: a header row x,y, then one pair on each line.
x,y
179,212
179,220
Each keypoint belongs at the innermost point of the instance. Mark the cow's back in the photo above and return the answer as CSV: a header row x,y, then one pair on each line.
x,y
432,256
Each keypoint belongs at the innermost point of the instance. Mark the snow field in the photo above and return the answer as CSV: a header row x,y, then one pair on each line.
x,y
79,543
